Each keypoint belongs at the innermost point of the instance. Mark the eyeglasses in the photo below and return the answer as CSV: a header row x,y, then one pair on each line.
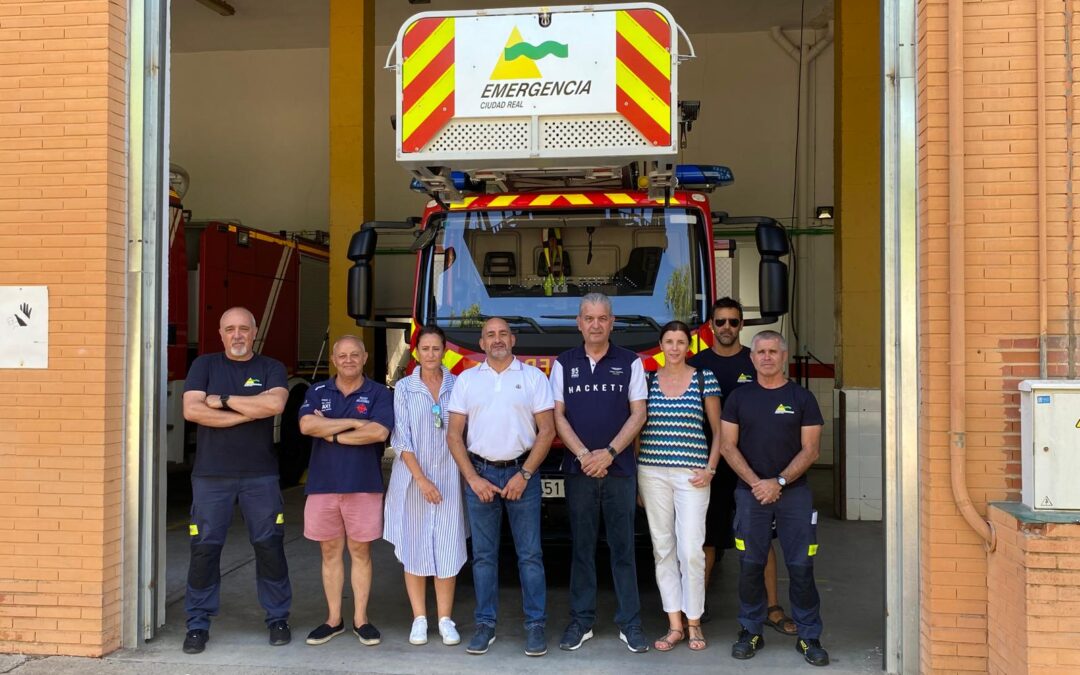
x,y
436,410
719,323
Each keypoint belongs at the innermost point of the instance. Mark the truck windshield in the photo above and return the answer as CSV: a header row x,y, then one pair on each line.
x,y
532,267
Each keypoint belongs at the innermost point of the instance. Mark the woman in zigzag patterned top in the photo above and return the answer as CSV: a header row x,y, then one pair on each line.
x,y
676,464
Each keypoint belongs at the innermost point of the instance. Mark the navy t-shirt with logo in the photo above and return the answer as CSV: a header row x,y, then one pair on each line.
x,y
731,372
336,468
770,425
245,450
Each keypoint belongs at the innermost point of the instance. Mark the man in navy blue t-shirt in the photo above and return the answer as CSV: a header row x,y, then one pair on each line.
x,y
730,362
600,392
233,397
350,418
771,435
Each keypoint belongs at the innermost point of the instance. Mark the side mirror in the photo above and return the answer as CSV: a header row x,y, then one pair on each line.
x,y
772,242
360,305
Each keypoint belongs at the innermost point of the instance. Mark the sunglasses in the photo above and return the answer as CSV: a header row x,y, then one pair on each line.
x,y
436,410
719,323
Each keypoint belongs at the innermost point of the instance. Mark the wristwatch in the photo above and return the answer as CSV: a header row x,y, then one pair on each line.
x,y
525,473
781,480
225,402
612,451
711,470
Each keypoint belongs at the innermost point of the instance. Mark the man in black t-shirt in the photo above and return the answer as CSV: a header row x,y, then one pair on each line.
x,y
771,435
233,397
730,363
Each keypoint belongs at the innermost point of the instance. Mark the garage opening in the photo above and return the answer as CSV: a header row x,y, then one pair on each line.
x,y
250,104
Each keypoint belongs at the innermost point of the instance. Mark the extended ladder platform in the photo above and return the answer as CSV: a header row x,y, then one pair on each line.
x,y
562,96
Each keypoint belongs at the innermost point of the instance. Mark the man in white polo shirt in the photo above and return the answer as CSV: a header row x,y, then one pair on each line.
x,y
508,408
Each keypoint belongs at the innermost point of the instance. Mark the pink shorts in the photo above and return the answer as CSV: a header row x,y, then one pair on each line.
x,y
357,515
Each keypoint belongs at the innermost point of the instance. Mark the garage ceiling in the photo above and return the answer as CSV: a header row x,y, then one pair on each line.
x,y
291,24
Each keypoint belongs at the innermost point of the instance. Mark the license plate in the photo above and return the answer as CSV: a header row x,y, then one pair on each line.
x,y
552,488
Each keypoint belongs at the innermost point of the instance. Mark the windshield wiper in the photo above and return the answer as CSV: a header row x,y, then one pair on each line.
x,y
639,319
479,319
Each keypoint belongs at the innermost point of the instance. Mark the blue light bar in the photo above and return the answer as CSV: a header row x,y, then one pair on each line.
x,y
703,176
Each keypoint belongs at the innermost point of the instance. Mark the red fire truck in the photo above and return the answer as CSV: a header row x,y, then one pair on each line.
x,y
547,140
282,278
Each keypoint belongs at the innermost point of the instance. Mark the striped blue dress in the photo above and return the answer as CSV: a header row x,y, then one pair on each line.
x,y
674,432
428,539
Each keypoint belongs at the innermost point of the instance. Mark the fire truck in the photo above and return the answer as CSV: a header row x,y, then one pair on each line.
x,y
282,278
547,141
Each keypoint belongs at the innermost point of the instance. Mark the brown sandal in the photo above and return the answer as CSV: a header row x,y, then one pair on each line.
x,y
666,645
785,625
696,642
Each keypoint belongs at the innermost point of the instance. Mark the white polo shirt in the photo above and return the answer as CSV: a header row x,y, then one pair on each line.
x,y
500,408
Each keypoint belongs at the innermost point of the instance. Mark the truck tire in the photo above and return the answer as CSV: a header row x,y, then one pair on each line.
x,y
294,450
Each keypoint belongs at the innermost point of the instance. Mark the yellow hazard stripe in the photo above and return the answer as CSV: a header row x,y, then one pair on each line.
x,y
813,549
193,530
503,200
653,106
451,359
578,200
646,44
740,544
426,104
544,200
280,520
426,52
619,198
463,204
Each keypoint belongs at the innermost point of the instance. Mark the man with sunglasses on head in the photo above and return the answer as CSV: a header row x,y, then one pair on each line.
x,y
349,417
730,362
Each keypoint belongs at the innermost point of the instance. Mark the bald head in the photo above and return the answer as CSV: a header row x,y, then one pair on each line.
x,y
237,331
497,341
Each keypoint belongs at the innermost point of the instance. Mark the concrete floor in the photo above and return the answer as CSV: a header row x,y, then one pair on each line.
x,y
849,574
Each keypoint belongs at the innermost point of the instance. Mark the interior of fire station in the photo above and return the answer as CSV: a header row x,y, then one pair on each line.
x,y
280,118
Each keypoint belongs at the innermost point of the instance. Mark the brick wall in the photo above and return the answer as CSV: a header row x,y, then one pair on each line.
x,y
1001,211
1034,610
62,215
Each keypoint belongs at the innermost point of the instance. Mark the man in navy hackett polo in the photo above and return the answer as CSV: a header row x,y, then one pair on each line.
x,y
600,394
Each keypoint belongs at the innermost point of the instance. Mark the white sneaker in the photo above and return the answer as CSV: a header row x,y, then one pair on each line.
x,y
418,634
448,631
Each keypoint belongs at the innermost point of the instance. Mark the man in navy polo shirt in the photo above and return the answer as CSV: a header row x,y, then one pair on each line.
x,y
350,418
233,397
600,394
771,435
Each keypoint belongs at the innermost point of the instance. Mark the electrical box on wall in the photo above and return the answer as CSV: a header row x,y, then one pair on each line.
x,y
1050,444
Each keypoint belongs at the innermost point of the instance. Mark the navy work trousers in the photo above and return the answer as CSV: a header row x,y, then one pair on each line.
x,y
212,504
796,528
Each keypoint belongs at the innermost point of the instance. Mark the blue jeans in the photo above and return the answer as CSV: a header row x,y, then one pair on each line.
x,y
212,504
616,498
796,528
485,521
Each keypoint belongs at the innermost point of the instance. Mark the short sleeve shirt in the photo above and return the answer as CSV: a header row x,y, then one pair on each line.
x,y
245,450
674,433
336,468
500,407
770,425
731,372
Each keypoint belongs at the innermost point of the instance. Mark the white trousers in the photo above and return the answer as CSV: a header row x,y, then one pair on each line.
x,y
676,512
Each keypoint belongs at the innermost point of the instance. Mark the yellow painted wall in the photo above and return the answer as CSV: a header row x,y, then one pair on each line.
x,y
352,135
858,193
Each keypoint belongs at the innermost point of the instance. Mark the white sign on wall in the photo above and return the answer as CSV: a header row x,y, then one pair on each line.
x,y
24,326
510,65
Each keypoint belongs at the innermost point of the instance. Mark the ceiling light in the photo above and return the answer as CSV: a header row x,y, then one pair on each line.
x,y
823,213
220,6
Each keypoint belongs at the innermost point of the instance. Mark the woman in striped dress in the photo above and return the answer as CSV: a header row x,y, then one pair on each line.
x,y
424,513
676,464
